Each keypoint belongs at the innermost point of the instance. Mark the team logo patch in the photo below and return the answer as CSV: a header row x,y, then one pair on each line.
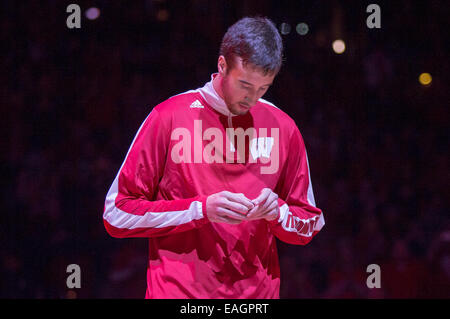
x,y
196,104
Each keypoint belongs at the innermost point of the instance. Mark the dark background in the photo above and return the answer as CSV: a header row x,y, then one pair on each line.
x,y
377,140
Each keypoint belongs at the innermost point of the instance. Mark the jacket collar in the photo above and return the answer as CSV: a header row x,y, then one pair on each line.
x,y
213,99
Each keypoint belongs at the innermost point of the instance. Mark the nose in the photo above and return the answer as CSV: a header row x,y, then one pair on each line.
x,y
250,100
251,97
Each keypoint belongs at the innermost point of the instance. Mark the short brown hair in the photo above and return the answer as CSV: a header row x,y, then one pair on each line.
x,y
257,41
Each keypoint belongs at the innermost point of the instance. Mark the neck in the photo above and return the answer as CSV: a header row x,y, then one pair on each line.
x,y
217,85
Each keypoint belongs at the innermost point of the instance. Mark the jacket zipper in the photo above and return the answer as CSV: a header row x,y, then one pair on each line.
x,y
230,125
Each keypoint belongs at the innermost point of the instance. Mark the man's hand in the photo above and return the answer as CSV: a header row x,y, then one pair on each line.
x,y
266,206
227,207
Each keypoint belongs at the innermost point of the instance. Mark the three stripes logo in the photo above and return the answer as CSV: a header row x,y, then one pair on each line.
x,y
196,104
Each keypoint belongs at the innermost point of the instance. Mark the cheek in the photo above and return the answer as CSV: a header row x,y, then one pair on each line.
x,y
232,94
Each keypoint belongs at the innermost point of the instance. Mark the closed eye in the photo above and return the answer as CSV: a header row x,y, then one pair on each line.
x,y
248,86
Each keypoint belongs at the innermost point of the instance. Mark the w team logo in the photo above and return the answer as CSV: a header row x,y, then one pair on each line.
x,y
261,147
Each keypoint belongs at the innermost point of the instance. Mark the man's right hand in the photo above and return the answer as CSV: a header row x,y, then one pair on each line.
x,y
227,207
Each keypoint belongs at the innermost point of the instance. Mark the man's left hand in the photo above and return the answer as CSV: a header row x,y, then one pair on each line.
x,y
266,206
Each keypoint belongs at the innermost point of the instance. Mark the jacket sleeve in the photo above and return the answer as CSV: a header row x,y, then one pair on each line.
x,y
299,220
130,207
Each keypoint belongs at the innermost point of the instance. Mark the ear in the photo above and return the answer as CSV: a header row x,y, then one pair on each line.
x,y
222,65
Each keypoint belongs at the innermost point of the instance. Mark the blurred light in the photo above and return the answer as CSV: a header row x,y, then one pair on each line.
x,y
285,28
338,46
425,79
71,295
302,28
92,13
162,15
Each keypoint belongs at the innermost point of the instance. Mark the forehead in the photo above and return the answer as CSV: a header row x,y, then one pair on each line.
x,y
250,74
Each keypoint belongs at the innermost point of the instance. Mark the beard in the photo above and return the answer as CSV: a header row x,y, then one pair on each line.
x,y
233,106
237,109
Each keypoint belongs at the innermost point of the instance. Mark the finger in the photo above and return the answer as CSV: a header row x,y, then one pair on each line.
x,y
236,207
271,199
240,198
255,216
258,214
224,212
254,212
262,196
272,214
273,206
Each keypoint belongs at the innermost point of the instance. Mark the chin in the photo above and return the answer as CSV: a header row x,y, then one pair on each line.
x,y
239,110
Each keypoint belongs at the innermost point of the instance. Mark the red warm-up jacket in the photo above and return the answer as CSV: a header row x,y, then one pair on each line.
x,y
189,147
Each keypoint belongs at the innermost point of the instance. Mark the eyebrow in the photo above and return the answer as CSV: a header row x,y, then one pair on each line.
x,y
245,82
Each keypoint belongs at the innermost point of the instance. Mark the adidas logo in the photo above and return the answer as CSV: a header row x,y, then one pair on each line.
x,y
196,104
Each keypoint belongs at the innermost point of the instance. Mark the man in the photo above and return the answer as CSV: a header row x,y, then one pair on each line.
x,y
213,175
